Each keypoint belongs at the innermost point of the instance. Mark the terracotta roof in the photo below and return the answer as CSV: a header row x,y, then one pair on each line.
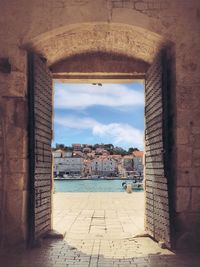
x,y
138,154
128,157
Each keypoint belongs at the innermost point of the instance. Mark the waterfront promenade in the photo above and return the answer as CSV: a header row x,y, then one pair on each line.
x,y
100,230
99,215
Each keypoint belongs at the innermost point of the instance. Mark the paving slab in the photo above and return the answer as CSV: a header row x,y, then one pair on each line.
x,y
83,217
120,214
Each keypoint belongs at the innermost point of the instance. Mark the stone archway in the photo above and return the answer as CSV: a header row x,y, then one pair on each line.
x,y
114,38
138,49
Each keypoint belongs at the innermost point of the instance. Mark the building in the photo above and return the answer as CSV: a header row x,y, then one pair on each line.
x,y
76,147
87,149
100,150
57,153
86,167
138,161
79,154
116,157
68,165
67,154
127,163
104,166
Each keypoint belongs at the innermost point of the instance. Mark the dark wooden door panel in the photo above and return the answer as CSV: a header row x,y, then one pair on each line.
x,y
40,157
156,134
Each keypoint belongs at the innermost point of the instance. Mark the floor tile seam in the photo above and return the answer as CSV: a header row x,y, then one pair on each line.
x,y
91,222
74,221
98,252
91,252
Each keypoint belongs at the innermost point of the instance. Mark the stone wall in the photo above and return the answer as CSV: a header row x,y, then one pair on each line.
x,y
61,29
1,176
13,175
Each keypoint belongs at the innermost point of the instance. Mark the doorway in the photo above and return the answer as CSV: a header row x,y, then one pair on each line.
x,y
101,128
157,164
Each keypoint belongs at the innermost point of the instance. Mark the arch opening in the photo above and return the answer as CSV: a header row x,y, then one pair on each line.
x,y
113,38
112,54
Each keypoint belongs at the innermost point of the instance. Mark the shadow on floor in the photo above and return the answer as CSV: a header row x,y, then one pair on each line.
x,y
93,253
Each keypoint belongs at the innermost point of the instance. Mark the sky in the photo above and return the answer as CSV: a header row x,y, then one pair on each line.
x,y
92,114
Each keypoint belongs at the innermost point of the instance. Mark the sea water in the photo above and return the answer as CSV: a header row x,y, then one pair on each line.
x,y
88,185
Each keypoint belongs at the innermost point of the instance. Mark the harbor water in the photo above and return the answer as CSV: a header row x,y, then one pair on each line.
x,y
89,185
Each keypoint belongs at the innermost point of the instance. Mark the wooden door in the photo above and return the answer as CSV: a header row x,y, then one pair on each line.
x,y
40,137
156,150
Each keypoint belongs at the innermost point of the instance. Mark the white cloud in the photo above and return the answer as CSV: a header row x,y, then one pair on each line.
x,y
74,122
81,96
119,133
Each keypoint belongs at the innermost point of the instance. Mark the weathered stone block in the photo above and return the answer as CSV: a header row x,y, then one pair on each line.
x,y
1,146
182,136
184,177
196,130
1,185
187,227
17,165
185,241
196,153
4,81
194,140
17,144
15,109
182,199
18,60
15,181
183,101
184,156
195,180
141,6
13,216
196,162
196,199
127,4
186,100
183,221
1,177
117,4
18,84
184,117
1,199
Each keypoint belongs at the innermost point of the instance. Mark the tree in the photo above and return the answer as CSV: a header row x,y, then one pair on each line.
x,y
131,150
96,146
110,151
60,146
109,146
119,151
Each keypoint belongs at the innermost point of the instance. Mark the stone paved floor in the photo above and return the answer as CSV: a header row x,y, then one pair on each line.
x,y
106,225
99,215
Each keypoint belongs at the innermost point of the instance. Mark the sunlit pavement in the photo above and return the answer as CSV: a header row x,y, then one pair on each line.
x,y
100,229
99,215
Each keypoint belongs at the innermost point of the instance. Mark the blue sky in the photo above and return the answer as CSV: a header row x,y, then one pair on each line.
x,y
91,114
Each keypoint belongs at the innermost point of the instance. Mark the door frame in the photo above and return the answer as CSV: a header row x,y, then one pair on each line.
x,y
117,78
